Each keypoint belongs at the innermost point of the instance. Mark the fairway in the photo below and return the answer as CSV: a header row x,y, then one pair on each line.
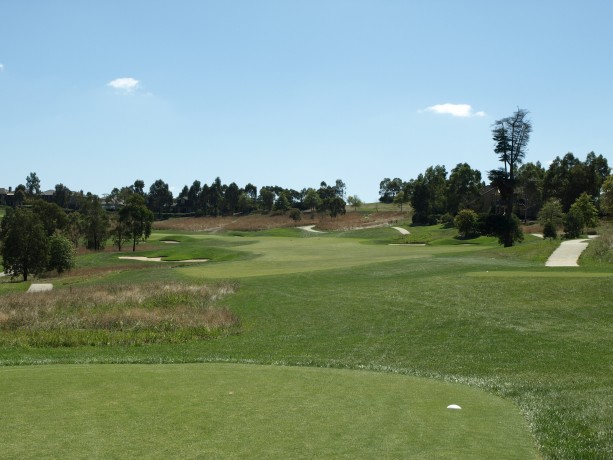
x,y
249,411
282,255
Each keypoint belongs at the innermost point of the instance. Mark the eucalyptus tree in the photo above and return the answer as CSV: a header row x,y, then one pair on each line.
x,y
355,201
24,243
135,220
511,136
160,197
33,184
95,222
463,188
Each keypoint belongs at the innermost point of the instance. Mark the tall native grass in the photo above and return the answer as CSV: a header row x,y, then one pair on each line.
x,y
600,250
118,314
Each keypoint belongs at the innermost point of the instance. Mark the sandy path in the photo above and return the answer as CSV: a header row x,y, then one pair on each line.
x,y
567,254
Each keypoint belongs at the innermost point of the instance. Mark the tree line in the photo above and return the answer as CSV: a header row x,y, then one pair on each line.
x,y
570,192
41,232
514,191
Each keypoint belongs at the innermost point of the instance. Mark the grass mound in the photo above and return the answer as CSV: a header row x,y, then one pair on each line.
x,y
116,314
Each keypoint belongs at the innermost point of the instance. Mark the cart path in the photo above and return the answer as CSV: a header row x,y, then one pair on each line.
x,y
567,254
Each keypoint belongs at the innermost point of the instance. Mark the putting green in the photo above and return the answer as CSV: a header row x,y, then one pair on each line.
x,y
249,411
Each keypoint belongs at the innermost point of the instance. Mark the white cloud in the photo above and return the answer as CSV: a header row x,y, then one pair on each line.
x,y
455,110
1,67
126,84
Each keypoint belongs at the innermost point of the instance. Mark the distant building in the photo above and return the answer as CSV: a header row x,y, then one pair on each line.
x,y
7,197
48,195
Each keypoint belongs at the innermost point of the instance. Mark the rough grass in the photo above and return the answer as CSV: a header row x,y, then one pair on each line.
x,y
161,312
600,250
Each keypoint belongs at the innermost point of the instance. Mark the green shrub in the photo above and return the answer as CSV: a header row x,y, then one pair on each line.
x,y
61,253
295,214
573,223
447,220
549,231
467,223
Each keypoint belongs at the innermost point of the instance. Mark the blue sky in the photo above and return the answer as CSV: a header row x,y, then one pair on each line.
x,y
97,94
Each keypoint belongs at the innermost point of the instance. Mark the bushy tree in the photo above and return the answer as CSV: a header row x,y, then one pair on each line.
x,y
33,184
61,195
428,195
550,231
24,243
267,199
529,189
606,200
336,206
400,199
120,233
573,223
51,215
568,177
61,253
295,214
551,214
136,220
95,223
388,188
463,188
75,228
282,203
467,222
354,200
584,206
312,200
160,197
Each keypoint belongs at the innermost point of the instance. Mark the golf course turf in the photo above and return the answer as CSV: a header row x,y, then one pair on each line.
x,y
479,318
249,411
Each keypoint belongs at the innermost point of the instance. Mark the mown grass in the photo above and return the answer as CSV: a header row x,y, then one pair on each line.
x,y
493,318
247,411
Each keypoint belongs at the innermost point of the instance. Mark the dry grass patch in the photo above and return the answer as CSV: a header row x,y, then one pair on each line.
x,y
117,314
255,222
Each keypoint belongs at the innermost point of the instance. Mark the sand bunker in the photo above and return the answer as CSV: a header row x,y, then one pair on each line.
x,y
310,228
40,287
402,231
159,259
